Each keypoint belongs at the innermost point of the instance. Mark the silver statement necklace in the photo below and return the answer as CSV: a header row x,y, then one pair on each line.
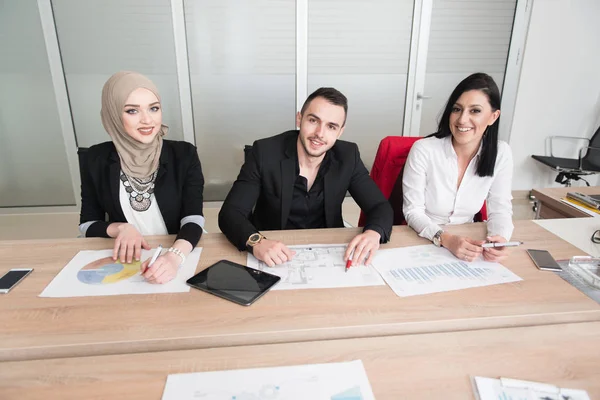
x,y
140,190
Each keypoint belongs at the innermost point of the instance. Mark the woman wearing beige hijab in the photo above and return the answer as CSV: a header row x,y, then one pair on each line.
x,y
144,184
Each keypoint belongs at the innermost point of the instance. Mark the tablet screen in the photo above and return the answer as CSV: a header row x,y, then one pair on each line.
x,y
234,282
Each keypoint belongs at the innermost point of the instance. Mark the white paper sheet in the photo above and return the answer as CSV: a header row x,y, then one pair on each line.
x,y
336,381
513,389
416,270
318,266
94,273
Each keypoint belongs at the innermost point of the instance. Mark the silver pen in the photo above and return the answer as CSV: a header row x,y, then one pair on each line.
x,y
498,244
153,259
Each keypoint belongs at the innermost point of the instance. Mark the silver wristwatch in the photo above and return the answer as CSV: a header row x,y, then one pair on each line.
x,y
437,238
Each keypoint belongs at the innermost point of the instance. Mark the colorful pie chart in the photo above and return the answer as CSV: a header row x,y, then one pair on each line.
x,y
106,271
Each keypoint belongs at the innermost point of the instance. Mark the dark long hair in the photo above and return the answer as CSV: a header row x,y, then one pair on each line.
x,y
489,150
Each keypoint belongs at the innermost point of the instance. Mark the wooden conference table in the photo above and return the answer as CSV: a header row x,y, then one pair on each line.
x,y
425,366
35,328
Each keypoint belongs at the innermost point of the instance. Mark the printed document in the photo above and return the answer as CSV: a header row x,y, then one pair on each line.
x,y
95,273
514,389
416,270
318,266
336,381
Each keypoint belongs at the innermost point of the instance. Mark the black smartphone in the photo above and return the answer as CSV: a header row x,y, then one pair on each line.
x,y
234,282
12,278
543,260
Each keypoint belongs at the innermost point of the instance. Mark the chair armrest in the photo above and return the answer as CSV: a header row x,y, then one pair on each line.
x,y
565,138
581,154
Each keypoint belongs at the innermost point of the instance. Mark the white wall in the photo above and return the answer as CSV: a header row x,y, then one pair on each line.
x,y
559,88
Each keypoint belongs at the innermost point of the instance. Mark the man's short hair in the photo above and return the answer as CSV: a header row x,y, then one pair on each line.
x,y
332,96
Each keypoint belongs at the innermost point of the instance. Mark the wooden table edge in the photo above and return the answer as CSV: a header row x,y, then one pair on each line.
x,y
296,336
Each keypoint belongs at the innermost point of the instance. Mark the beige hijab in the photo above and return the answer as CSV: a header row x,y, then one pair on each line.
x,y
138,160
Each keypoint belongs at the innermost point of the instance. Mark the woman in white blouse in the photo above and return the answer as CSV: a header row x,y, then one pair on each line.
x,y
449,175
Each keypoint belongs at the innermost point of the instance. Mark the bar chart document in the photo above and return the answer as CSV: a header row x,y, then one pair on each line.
x,y
336,381
318,266
416,270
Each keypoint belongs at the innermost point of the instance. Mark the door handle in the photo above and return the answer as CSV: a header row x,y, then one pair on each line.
x,y
421,97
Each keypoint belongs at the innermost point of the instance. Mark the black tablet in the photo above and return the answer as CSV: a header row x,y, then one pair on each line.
x,y
234,282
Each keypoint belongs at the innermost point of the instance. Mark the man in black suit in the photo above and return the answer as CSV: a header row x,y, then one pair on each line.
x,y
298,180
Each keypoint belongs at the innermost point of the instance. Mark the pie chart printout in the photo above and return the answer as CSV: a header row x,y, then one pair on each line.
x,y
106,271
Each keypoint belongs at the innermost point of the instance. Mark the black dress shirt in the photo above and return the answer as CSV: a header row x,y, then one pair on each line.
x,y
308,206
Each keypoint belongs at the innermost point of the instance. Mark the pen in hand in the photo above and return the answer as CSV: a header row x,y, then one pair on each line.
x,y
349,262
498,244
153,259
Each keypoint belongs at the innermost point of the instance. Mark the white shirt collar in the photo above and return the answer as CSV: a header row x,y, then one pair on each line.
x,y
449,149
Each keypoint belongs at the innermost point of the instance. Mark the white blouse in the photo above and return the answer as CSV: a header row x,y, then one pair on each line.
x,y
149,222
431,198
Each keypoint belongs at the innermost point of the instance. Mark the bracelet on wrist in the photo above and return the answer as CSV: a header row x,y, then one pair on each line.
x,y
178,252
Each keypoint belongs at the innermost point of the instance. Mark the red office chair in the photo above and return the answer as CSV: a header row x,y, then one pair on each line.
x,y
388,165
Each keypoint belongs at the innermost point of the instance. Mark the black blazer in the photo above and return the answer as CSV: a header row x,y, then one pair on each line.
x,y
177,189
266,183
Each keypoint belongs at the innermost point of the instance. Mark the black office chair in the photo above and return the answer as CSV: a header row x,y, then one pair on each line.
x,y
570,169
82,156
247,150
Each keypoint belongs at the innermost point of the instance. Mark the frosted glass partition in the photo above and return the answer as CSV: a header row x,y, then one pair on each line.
x,y
33,161
362,48
465,37
242,65
100,37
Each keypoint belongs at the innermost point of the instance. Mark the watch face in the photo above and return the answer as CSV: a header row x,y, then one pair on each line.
x,y
437,239
254,238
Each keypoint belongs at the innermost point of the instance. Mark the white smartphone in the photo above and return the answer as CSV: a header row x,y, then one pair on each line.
x,y
12,278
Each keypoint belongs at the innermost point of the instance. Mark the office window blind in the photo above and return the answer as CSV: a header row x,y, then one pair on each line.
x,y
33,160
359,37
362,49
103,36
229,37
466,36
100,37
242,57
470,35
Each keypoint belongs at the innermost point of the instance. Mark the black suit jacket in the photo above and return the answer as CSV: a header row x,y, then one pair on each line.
x,y
266,183
177,189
